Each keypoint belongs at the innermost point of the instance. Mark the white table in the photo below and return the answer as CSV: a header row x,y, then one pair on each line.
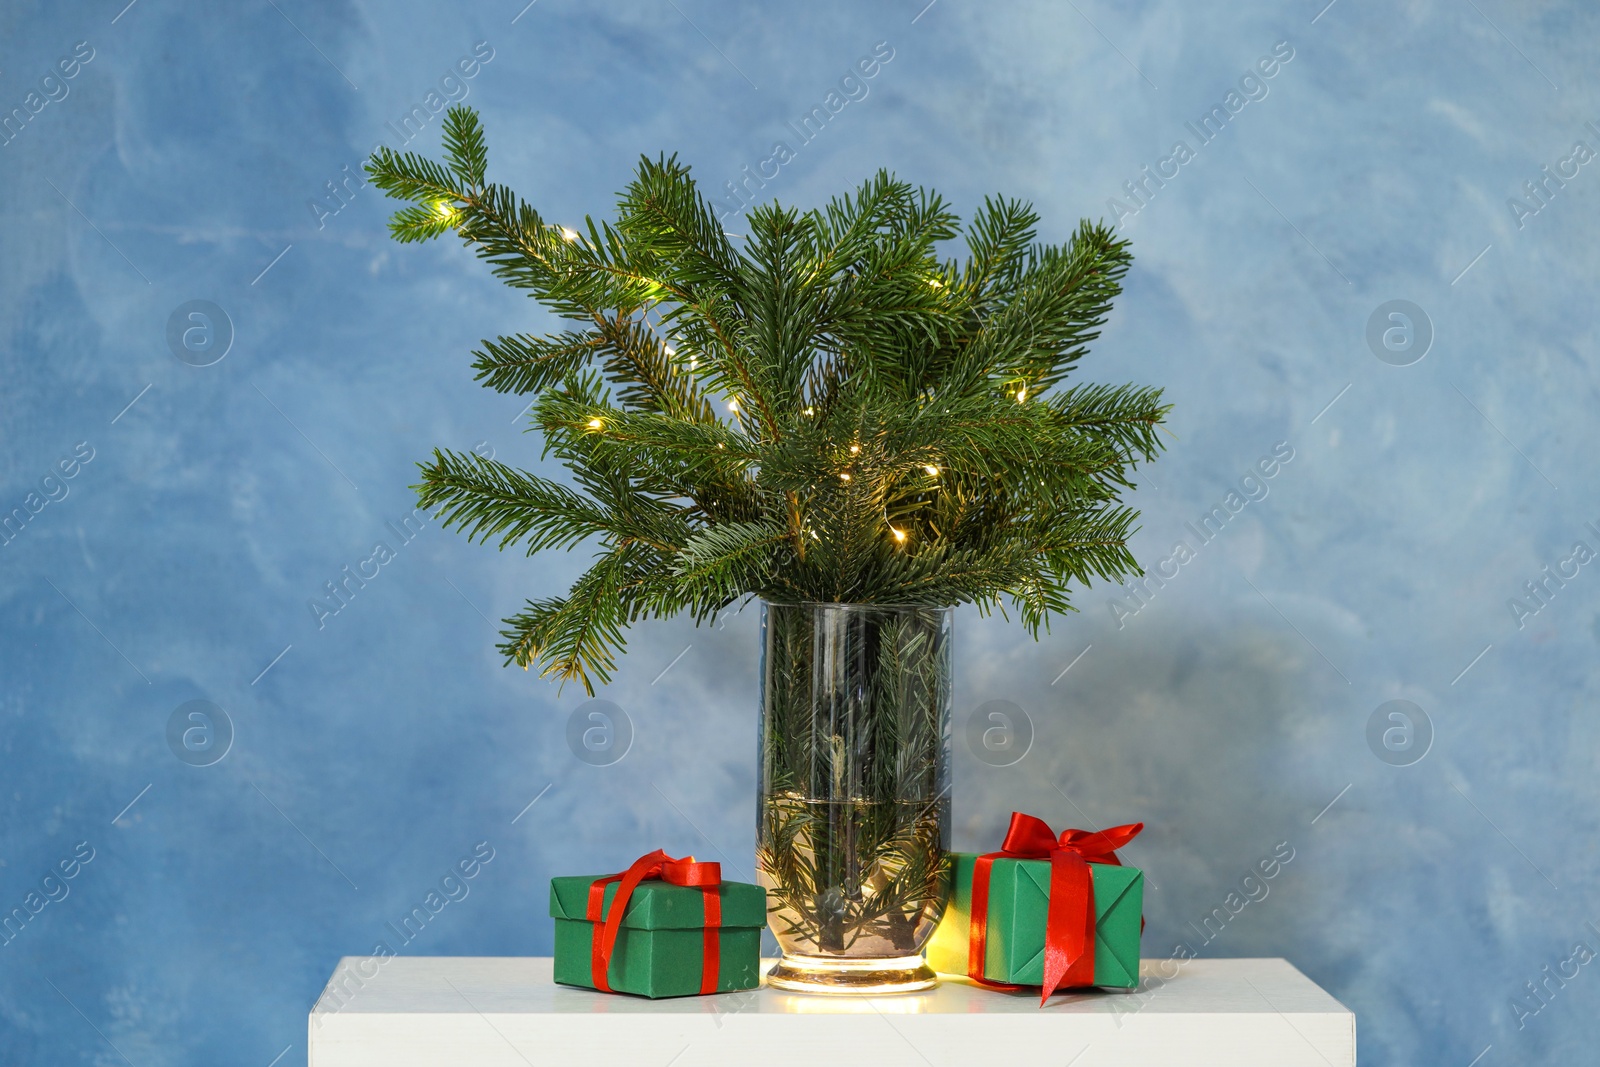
x,y
506,1012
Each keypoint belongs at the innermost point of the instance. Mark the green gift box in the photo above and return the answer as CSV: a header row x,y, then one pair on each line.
x,y
660,945
1019,898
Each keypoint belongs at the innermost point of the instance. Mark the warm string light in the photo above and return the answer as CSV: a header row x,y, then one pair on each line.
x,y
855,450
596,424
733,405
932,470
899,534
672,353
844,477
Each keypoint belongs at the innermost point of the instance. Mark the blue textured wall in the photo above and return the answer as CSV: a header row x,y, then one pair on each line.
x,y
1227,708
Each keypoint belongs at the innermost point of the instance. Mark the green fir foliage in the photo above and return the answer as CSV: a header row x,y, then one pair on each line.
x,y
820,410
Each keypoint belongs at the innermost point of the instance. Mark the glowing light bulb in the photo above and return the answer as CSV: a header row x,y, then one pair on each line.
x,y
936,283
595,424
810,412
568,235
932,470
1022,394
899,535
733,405
844,477
854,449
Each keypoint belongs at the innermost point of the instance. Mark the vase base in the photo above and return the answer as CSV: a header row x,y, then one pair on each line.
x,y
833,975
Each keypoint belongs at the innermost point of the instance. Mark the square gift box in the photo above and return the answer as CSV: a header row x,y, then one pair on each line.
x,y
661,943
1019,896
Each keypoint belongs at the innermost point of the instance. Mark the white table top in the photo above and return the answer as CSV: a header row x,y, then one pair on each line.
x,y
422,1011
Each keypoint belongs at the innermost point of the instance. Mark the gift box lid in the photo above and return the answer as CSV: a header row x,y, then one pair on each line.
x,y
658,905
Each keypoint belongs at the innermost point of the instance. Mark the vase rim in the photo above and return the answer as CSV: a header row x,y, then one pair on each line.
x,y
855,605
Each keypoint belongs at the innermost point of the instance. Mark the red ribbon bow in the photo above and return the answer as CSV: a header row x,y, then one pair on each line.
x,y
1069,926
657,864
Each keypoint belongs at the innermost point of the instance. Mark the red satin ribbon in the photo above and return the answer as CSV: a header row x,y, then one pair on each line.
x,y
607,924
1069,923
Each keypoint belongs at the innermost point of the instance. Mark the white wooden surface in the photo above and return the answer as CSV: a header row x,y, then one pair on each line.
x,y
506,1012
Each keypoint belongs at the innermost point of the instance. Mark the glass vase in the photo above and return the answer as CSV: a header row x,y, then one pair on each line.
x,y
854,792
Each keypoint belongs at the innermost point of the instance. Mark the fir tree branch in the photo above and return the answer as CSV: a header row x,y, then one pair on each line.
x,y
898,428
483,498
